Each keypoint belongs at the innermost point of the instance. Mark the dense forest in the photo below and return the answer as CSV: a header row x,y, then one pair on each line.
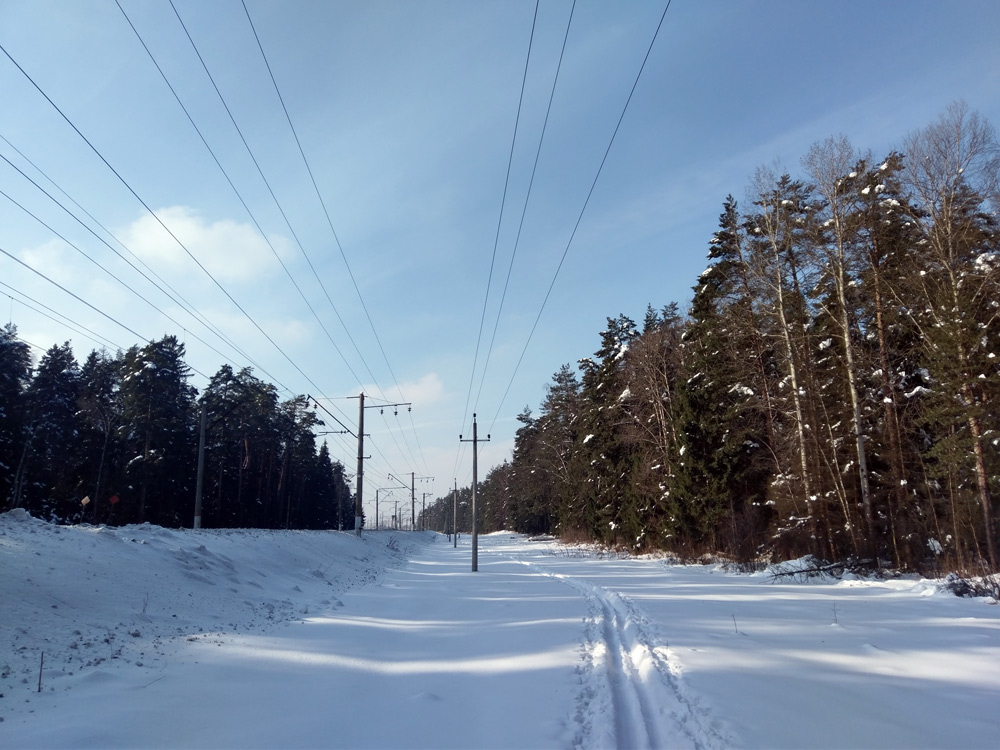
x,y
833,389
115,440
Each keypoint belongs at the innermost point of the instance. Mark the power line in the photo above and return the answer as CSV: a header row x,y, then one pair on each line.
x,y
75,327
527,199
586,202
173,295
157,218
95,262
503,203
74,296
204,141
496,240
336,238
253,158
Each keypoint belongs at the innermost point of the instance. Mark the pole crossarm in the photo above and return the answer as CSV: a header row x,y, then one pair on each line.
x,y
347,430
402,485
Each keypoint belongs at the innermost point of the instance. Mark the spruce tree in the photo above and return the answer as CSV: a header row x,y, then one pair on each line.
x,y
605,508
719,491
47,477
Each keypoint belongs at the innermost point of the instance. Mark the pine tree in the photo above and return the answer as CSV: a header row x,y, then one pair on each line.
x,y
886,234
532,479
99,410
242,446
655,374
778,232
15,375
159,435
953,167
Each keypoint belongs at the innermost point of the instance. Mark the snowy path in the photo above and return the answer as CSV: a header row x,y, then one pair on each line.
x,y
628,664
433,656
250,639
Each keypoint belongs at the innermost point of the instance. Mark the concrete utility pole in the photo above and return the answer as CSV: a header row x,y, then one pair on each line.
x,y
475,480
454,517
361,464
413,495
358,512
423,510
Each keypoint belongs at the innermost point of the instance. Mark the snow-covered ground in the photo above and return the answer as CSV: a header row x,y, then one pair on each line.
x,y
238,639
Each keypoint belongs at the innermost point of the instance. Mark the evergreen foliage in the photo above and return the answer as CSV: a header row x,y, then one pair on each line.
x,y
832,390
122,432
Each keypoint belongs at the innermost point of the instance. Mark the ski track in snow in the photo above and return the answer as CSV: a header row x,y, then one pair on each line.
x,y
629,675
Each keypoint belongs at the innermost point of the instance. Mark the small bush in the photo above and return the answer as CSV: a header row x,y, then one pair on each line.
x,y
963,584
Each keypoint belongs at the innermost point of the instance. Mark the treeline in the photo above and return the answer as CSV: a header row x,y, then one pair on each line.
x,y
833,389
115,440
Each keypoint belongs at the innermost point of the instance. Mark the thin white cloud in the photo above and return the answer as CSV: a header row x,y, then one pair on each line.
x,y
232,252
53,259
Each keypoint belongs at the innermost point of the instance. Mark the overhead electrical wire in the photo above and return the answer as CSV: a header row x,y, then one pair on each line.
x,y
71,294
253,158
95,262
148,209
65,321
273,196
160,284
527,199
253,218
336,238
496,240
229,180
266,182
503,205
586,202
157,218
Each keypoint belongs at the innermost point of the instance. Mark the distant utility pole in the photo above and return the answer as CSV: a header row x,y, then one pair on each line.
x,y
454,516
199,482
361,454
475,480
361,465
423,510
413,496
377,490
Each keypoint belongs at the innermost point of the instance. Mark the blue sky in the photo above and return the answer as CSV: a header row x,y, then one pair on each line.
x,y
406,114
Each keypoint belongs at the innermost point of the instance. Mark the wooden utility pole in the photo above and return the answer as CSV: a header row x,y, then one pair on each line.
x,y
475,480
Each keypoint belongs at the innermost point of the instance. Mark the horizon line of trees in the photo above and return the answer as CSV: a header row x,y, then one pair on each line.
x,y
122,431
833,389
